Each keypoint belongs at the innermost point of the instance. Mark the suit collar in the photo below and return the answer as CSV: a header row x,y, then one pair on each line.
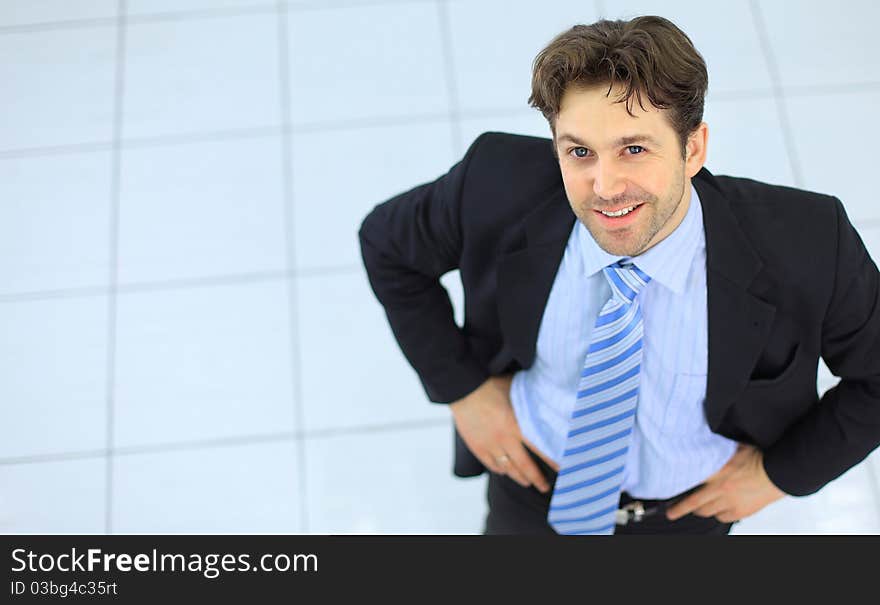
x,y
728,251
551,221
527,264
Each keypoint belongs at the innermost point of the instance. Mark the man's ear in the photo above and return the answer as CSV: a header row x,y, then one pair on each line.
x,y
695,149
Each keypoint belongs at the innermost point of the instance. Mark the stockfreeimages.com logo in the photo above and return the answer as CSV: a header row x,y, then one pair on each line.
x,y
209,565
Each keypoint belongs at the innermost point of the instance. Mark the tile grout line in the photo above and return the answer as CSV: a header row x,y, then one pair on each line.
x,y
53,457
146,18
38,295
455,127
266,8
207,281
196,137
50,150
180,284
169,140
225,280
116,188
402,425
379,122
284,99
222,442
220,12
776,81
51,26
818,90
336,4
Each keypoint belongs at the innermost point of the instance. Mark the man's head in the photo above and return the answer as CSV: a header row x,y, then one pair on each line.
x,y
615,151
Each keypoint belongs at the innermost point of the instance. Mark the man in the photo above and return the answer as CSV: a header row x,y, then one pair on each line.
x,y
641,338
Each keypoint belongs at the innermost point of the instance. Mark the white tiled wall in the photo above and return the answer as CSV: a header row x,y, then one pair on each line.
x,y
201,209
189,342
326,218
830,148
346,351
53,356
357,63
55,221
201,75
400,484
64,86
235,488
30,12
203,363
66,495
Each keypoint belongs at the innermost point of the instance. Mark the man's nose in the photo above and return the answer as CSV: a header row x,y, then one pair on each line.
x,y
607,180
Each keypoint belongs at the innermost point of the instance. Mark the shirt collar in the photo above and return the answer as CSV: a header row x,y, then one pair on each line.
x,y
668,262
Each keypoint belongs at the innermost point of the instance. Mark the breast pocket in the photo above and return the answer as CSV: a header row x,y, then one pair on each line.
x,y
684,413
777,375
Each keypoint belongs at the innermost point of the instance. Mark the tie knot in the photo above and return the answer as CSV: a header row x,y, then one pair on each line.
x,y
626,280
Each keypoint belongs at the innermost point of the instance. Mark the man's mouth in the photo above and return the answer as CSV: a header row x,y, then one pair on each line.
x,y
619,212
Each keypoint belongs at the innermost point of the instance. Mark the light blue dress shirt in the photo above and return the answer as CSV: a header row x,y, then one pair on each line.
x,y
672,447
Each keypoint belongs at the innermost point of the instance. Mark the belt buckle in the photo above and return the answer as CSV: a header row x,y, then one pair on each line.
x,y
634,511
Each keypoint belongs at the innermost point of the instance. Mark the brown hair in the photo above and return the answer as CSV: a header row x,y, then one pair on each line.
x,y
646,55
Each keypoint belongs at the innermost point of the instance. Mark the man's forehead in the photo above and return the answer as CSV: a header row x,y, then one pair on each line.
x,y
583,119
613,96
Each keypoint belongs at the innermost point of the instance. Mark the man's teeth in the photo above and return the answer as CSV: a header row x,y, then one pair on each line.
x,y
619,212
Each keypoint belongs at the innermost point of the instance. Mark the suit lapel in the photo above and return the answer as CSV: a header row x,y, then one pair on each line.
x,y
739,321
526,269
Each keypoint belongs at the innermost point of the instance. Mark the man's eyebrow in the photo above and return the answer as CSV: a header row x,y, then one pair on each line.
x,y
622,141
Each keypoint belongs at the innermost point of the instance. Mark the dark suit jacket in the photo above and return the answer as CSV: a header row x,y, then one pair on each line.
x,y
788,280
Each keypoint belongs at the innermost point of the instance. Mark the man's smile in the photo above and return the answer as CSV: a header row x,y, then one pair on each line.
x,y
619,217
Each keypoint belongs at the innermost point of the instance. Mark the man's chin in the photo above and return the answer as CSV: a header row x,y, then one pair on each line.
x,y
620,249
619,243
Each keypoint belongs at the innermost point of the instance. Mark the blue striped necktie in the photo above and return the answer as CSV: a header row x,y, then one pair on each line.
x,y
587,489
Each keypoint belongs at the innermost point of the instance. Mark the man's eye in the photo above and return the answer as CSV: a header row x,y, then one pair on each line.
x,y
580,152
635,149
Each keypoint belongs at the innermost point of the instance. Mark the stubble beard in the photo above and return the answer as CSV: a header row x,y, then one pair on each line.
x,y
628,243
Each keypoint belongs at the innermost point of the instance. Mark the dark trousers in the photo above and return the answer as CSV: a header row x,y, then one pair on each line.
x,y
514,509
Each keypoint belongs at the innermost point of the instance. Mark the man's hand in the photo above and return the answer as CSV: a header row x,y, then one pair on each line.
x,y
486,422
741,488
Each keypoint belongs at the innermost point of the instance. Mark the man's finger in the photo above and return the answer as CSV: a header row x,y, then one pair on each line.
x,y
516,474
691,502
493,467
491,461
502,464
727,516
710,509
526,465
531,446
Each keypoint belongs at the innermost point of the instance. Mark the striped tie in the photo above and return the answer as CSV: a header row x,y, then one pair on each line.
x,y
587,489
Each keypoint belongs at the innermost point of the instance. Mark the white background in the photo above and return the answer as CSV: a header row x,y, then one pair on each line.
x,y
188,342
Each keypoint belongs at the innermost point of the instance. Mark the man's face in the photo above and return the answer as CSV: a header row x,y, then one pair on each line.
x,y
628,166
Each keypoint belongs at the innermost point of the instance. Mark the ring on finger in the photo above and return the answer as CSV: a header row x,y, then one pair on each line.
x,y
502,459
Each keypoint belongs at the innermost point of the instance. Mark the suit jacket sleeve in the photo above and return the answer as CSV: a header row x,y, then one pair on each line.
x,y
844,427
407,243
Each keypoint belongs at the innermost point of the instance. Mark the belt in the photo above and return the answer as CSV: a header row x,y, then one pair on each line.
x,y
639,509
635,511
